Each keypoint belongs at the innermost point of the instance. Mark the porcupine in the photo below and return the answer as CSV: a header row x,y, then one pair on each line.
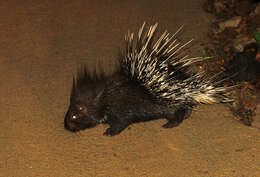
x,y
152,81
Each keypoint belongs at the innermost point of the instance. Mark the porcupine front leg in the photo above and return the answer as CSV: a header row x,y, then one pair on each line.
x,y
117,125
174,119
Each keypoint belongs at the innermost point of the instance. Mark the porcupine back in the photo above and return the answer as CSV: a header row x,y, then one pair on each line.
x,y
162,67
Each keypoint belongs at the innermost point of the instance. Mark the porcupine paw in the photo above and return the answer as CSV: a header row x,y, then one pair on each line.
x,y
114,130
171,124
111,132
175,119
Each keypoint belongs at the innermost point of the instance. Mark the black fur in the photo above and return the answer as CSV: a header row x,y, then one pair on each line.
x,y
118,101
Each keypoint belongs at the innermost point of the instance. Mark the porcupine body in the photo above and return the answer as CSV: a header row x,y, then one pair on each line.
x,y
151,82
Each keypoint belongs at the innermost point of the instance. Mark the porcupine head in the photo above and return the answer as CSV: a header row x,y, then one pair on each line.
x,y
85,102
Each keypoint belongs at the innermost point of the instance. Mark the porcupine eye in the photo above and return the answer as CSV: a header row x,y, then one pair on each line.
x,y
81,111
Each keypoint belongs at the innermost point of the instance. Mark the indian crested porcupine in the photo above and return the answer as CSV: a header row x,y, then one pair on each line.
x,y
152,81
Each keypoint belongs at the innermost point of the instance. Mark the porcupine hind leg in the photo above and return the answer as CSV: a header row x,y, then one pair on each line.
x,y
175,118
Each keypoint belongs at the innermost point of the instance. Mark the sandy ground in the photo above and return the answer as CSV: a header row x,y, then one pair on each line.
x,y
42,45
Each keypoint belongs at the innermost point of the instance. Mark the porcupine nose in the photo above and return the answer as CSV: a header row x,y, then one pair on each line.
x,y
68,124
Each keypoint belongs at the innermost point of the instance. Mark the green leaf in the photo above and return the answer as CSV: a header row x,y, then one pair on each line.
x,y
256,35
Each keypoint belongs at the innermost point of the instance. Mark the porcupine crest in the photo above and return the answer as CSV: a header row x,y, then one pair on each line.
x,y
161,66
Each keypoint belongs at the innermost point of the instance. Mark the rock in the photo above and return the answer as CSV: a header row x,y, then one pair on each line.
x,y
231,23
240,42
256,11
243,8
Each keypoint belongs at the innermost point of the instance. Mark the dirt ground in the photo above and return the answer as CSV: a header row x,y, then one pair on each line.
x,y
42,45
